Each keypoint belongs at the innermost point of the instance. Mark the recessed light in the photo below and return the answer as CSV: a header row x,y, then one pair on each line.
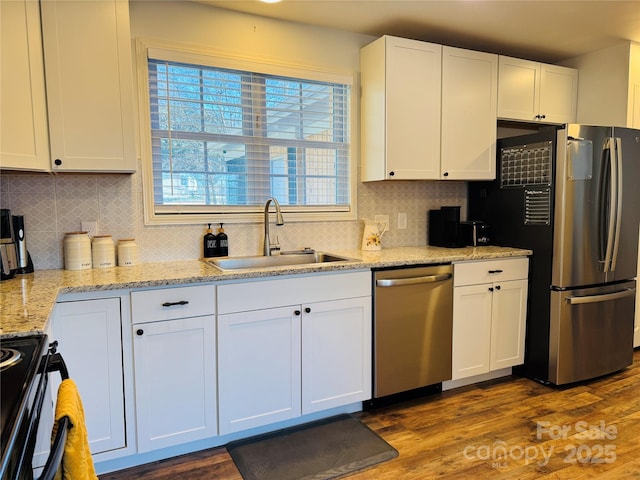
x,y
270,1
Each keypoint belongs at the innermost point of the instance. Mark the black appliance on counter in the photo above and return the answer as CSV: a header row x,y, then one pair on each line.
x,y
475,233
25,363
444,228
8,253
14,257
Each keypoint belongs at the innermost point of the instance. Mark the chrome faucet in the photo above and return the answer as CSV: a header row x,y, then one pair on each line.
x,y
268,246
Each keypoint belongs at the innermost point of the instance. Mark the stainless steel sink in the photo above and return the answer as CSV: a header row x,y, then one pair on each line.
x,y
261,261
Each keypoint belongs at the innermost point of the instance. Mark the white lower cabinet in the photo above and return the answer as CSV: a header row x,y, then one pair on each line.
x,y
174,352
90,340
336,353
279,359
489,315
259,367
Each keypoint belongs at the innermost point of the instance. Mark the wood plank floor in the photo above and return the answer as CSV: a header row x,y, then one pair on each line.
x,y
511,428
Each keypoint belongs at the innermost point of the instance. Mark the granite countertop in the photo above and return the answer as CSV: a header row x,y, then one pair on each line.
x,y
27,301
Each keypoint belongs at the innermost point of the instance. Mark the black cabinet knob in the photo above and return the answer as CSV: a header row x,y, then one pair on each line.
x,y
491,289
297,312
391,174
139,332
307,310
445,174
497,287
57,161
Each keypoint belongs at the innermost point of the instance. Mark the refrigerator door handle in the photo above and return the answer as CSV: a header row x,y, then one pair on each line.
x,y
616,173
609,145
628,292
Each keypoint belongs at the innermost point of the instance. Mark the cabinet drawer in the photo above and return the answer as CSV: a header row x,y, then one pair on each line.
x,y
169,303
489,271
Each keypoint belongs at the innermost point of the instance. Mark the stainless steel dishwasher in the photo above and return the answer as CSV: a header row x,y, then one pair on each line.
x,y
413,325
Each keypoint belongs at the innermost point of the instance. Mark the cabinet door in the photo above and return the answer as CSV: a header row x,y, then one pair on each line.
x,y
87,52
336,353
471,330
518,89
509,312
400,109
558,94
89,336
469,109
175,381
413,74
24,140
259,367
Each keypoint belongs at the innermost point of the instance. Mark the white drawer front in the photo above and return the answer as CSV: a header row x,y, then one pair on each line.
x,y
241,297
169,303
489,271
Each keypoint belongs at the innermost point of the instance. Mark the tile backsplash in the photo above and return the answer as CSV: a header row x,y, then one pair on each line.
x,y
56,204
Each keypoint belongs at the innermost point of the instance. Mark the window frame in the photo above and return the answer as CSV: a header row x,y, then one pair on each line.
x,y
198,214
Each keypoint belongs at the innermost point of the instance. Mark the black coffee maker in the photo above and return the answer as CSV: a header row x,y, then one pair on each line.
x,y
8,253
444,228
14,257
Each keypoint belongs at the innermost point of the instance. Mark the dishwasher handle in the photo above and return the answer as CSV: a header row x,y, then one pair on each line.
x,y
400,282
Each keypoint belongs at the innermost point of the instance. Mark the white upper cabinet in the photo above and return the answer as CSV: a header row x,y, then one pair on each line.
x,y
87,53
400,109
428,112
469,103
24,141
532,91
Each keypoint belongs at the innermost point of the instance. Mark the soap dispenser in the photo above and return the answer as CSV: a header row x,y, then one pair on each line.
x,y
223,243
210,243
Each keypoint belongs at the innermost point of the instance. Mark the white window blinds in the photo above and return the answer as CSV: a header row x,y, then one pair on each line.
x,y
229,139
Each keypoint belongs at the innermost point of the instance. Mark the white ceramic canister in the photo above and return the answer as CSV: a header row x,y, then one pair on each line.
x,y
127,252
77,251
103,251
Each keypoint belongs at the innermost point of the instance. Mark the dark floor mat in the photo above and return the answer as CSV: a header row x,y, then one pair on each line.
x,y
319,450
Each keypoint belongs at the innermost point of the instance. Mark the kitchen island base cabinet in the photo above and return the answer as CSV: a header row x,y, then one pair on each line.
x,y
174,353
489,316
90,340
278,361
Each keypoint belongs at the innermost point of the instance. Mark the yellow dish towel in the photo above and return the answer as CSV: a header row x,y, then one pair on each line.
x,y
77,463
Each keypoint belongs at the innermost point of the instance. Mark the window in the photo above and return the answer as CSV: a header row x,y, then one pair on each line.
x,y
223,140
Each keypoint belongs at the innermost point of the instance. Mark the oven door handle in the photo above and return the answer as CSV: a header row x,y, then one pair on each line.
x,y
57,449
399,282
56,362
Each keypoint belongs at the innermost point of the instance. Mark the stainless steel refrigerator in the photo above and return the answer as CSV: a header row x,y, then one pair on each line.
x,y
571,194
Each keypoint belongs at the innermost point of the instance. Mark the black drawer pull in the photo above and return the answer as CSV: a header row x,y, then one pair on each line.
x,y
172,304
495,271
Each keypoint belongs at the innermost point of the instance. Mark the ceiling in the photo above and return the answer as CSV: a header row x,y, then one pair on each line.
x,y
543,30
